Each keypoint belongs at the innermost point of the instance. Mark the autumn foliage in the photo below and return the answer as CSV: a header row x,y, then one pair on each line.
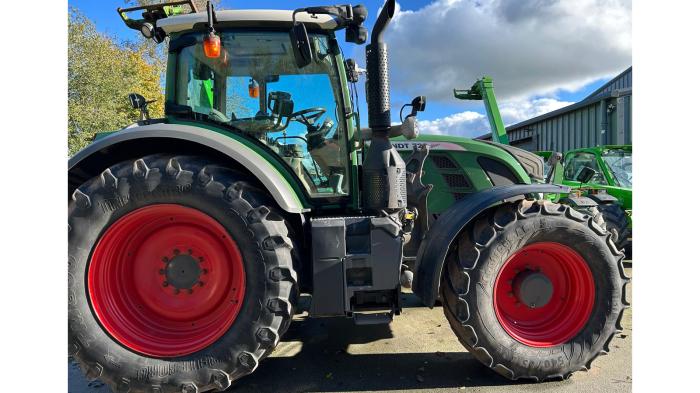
x,y
102,71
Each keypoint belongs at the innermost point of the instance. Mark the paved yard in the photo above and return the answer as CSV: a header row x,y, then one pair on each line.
x,y
416,353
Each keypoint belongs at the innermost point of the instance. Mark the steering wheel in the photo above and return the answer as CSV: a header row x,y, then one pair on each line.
x,y
308,116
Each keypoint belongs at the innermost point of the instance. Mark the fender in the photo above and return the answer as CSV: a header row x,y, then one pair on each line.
x,y
433,249
271,178
602,198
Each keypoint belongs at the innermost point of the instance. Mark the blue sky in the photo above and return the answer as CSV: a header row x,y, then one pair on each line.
x,y
558,69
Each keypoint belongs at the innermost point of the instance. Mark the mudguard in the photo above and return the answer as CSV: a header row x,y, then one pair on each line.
x,y
278,186
602,198
433,249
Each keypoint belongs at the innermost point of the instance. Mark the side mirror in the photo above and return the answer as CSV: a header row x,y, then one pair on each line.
x,y
585,174
417,105
137,101
301,46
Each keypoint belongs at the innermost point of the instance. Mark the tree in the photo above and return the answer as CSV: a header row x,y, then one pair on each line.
x,y
101,74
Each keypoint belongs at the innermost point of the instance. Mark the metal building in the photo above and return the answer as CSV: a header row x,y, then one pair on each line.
x,y
602,118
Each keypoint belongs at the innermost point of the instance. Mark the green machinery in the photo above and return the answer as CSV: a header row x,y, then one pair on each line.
x,y
192,237
483,90
613,166
610,184
607,196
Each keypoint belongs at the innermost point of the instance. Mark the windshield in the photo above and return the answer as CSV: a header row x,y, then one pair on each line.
x,y
256,88
620,163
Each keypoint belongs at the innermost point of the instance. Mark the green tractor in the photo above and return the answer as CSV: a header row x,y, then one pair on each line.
x,y
191,237
608,186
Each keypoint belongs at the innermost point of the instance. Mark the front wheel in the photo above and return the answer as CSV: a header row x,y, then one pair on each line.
x,y
617,224
180,275
535,290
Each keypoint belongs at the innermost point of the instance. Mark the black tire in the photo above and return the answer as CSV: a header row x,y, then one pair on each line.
x,y
472,267
617,224
597,216
251,220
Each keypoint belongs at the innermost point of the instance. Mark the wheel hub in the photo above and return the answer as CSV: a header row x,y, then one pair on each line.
x,y
533,289
544,294
166,280
183,272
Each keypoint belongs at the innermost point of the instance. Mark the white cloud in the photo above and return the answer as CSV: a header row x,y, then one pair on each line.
x,y
529,47
517,110
468,124
472,124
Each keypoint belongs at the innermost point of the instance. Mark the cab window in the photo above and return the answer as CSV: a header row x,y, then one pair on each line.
x,y
580,160
256,88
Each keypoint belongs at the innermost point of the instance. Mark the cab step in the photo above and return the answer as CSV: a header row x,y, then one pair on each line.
x,y
384,318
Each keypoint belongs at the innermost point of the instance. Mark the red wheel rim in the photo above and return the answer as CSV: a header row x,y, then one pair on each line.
x,y
166,280
547,321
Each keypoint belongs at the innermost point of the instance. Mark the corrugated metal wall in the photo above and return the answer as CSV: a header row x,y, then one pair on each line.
x,y
602,118
606,122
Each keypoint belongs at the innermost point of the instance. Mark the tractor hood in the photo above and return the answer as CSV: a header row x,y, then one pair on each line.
x,y
531,162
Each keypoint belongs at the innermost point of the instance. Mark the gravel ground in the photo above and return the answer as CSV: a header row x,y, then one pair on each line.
x,y
417,352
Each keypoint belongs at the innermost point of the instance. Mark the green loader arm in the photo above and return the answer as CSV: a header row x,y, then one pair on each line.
x,y
483,90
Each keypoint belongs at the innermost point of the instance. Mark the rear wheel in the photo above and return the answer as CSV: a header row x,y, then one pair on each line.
x,y
180,275
534,290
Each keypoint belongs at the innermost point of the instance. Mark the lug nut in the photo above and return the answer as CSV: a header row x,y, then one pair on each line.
x,y
176,291
164,259
189,291
165,283
176,251
161,272
201,259
205,271
201,283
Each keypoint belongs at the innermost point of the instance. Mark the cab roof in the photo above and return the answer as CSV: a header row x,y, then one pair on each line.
x,y
247,18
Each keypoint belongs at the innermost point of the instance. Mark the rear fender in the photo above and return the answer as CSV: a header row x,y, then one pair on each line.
x,y
434,248
151,139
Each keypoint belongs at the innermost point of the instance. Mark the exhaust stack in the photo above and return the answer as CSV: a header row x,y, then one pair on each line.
x,y
378,68
384,171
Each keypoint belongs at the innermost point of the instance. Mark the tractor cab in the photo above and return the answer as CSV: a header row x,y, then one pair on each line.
x,y
247,80
254,87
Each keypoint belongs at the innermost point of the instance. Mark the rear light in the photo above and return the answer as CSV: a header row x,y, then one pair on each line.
x,y
212,46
